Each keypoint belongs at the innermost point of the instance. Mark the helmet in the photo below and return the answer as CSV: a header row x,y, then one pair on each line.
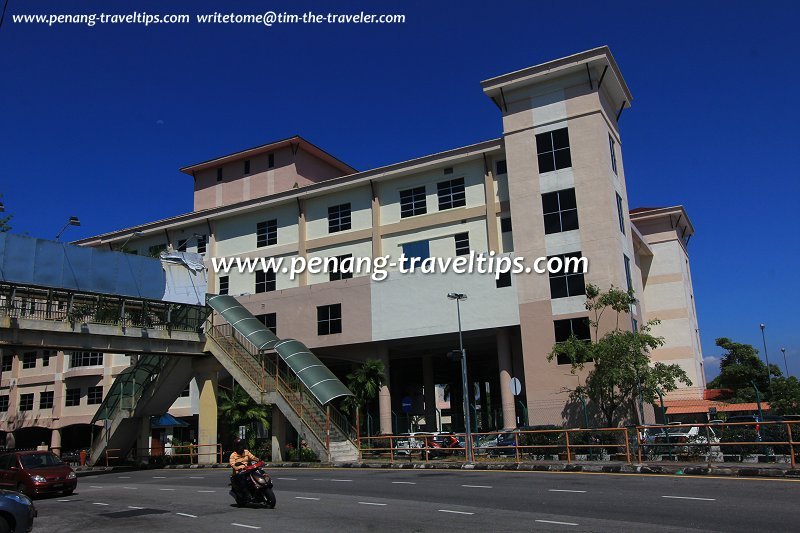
x,y
238,445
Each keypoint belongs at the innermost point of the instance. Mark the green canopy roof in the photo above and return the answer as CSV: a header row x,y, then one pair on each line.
x,y
318,378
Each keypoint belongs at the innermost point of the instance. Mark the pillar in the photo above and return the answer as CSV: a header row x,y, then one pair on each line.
x,y
206,375
504,365
431,423
384,395
55,441
278,433
143,441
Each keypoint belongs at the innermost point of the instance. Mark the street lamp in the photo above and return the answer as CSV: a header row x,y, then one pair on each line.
x,y
466,390
766,356
195,236
73,221
131,236
785,364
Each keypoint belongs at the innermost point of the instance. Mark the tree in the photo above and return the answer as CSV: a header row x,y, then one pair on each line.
x,y
740,367
622,369
365,383
4,221
785,396
237,408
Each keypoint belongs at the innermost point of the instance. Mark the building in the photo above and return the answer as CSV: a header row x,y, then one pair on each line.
x,y
552,185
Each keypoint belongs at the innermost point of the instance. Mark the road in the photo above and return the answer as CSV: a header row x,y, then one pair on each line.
x,y
423,500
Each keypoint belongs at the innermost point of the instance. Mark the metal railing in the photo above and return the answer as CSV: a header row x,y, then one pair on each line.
x,y
40,303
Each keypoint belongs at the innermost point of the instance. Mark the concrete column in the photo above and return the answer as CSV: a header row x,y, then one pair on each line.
x,y
278,432
206,375
55,441
143,441
504,364
430,394
385,396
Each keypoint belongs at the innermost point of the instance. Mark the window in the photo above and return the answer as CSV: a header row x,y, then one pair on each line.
x,y
46,400
247,166
72,398
635,325
8,361
270,320
85,359
563,284
156,250
620,215
219,174
339,218
560,211
181,245
416,252
4,404
501,167
505,224
503,280
613,153
29,360
46,358
564,329
201,244
267,233
552,150
271,161
223,284
26,402
462,243
329,319
265,281
412,202
340,264
451,194
628,278
94,395
185,393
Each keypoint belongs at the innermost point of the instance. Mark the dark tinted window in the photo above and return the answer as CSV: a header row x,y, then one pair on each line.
x,y
329,319
560,211
552,150
412,202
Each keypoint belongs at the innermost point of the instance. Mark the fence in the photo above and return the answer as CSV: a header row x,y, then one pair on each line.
x,y
179,454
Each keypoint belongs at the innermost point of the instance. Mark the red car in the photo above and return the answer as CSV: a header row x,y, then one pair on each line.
x,y
35,473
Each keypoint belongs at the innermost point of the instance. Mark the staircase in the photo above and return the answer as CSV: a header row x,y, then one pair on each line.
x,y
267,381
145,389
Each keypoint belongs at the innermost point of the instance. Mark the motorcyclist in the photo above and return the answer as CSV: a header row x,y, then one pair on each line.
x,y
240,458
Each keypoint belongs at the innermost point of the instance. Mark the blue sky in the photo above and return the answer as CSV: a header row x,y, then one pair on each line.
x,y
95,122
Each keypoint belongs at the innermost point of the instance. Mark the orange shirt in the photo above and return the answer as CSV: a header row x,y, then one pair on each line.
x,y
243,459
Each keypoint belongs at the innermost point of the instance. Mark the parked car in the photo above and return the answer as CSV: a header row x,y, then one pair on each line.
x,y
16,512
35,473
688,440
508,440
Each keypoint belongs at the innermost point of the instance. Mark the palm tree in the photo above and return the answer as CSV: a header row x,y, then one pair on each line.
x,y
237,408
365,383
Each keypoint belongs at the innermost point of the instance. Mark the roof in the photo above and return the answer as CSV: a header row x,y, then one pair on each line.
x,y
598,61
643,209
676,213
680,407
293,141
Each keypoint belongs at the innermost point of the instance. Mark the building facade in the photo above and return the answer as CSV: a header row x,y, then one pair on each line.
x,y
552,185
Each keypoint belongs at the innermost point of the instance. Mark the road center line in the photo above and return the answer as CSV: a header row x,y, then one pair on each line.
x,y
554,522
131,488
196,477
245,525
372,503
287,478
159,477
454,512
66,500
341,480
98,503
123,477
690,498
477,486
403,482
166,489
134,507
95,487
305,498
206,491
187,515
566,490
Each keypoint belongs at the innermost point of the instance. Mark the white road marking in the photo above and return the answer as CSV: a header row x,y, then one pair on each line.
x,y
477,486
134,507
66,500
403,483
287,478
187,515
166,489
554,522
206,491
123,477
196,477
98,503
131,488
454,512
690,498
159,477
245,525
372,503
341,480
95,487
305,498
566,490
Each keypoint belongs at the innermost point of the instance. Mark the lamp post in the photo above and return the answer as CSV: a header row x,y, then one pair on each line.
x,y
464,383
785,364
131,236
73,221
766,356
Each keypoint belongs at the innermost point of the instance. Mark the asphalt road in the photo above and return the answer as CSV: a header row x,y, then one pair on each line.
x,y
407,500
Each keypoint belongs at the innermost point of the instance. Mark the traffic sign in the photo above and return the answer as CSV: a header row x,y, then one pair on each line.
x,y
516,386
407,404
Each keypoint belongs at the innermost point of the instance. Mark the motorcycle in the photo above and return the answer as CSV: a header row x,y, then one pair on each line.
x,y
259,484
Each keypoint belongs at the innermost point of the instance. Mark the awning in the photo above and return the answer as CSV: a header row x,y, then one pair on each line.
x,y
318,378
166,421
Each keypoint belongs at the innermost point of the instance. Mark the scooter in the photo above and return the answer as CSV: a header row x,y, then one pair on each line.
x,y
258,482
